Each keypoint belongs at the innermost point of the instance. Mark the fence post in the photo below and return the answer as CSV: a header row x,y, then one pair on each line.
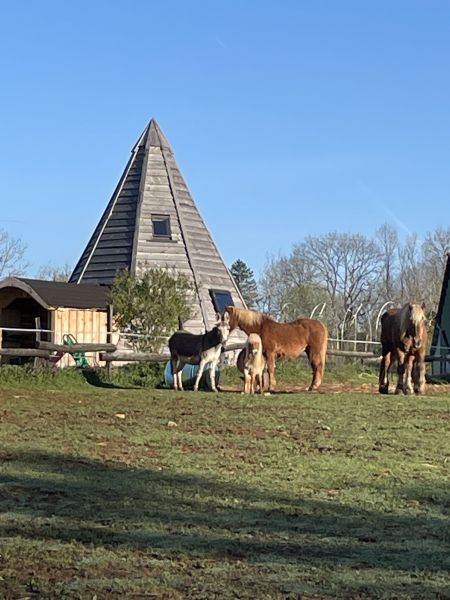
x,y
109,322
37,326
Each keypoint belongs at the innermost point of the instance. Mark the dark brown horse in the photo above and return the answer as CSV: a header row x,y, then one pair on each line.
x,y
404,339
285,340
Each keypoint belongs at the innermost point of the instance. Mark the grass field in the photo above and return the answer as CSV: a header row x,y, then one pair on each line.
x,y
108,492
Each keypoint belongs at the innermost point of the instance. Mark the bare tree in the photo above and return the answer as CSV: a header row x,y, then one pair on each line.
x,y
388,244
296,270
435,249
348,265
271,287
53,273
339,269
12,252
300,301
287,286
410,276
355,275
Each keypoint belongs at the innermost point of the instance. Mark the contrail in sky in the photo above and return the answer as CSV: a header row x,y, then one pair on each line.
x,y
376,197
398,221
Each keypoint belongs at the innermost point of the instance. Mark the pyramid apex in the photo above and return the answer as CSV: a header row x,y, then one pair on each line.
x,y
155,136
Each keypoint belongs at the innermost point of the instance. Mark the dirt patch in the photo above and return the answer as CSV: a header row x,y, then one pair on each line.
x,y
432,389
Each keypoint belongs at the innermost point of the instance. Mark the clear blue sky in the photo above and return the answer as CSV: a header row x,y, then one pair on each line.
x,y
286,118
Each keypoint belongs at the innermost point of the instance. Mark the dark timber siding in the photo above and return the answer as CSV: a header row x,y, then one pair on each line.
x,y
441,335
113,237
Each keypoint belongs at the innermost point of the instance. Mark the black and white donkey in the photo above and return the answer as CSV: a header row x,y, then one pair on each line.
x,y
198,349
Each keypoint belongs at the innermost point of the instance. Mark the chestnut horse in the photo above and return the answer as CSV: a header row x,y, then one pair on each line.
x,y
404,339
285,340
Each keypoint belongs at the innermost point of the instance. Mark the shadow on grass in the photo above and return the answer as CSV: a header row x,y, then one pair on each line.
x,y
93,378
110,504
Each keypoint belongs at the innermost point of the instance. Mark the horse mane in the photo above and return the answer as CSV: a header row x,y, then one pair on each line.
x,y
249,318
410,313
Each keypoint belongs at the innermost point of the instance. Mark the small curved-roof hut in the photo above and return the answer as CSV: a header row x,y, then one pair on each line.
x,y
58,308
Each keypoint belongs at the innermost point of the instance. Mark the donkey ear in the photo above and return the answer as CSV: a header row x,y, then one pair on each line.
x,y
226,317
423,305
218,317
410,306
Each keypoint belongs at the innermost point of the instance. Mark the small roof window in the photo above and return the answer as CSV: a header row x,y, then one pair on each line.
x,y
161,226
221,298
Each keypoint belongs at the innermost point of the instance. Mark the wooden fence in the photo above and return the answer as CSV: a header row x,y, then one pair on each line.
x,y
109,353
44,350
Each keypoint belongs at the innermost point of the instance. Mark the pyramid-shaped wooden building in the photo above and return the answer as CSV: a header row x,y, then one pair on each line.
x,y
152,221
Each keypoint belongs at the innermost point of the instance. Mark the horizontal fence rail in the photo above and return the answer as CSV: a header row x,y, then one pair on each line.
x,y
25,330
24,353
109,352
72,348
344,341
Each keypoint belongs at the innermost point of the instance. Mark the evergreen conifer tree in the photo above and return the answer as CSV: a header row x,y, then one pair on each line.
x,y
245,280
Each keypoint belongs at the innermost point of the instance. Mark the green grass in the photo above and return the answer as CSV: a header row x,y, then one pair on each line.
x,y
143,493
131,375
298,372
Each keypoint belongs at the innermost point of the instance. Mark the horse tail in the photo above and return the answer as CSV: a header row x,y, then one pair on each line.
x,y
384,316
323,351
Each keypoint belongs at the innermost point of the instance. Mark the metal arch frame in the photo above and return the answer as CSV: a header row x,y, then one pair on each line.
x,y
385,305
323,304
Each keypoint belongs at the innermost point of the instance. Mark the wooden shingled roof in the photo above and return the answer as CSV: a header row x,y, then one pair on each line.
x,y
151,188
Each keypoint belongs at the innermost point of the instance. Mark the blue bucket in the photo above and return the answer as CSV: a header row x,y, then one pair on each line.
x,y
189,375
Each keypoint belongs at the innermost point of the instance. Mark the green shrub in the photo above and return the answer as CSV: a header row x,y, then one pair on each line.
x,y
150,305
138,374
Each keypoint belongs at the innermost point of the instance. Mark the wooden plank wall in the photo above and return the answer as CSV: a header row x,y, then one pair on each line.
x,y
156,252
158,198
86,325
